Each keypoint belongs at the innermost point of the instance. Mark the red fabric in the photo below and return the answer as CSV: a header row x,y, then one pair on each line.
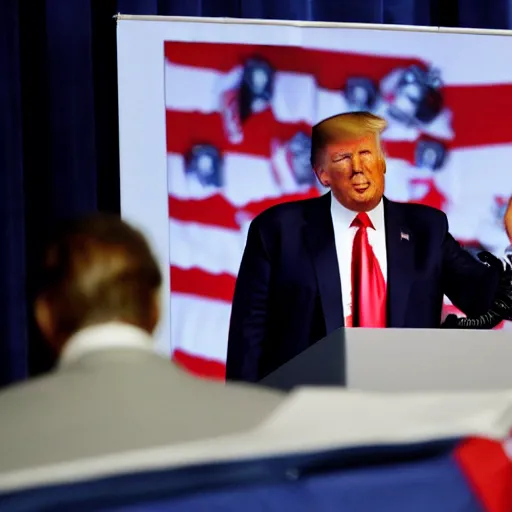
x,y
489,470
368,284
200,366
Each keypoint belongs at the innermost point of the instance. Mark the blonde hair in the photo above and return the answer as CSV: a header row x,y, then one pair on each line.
x,y
343,127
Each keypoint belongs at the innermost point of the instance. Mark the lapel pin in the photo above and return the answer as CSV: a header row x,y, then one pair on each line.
x,y
404,236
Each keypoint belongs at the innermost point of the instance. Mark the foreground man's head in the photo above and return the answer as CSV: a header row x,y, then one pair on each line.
x,y
97,270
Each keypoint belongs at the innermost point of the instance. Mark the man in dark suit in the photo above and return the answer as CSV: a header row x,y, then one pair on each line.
x,y
348,258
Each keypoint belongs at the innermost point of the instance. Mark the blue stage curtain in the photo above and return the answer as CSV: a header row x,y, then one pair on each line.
x,y
13,348
58,127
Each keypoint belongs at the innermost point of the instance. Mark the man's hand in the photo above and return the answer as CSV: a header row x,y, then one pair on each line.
x,y
501,308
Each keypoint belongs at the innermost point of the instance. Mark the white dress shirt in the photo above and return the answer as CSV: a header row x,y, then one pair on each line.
x,y
344,238
105,336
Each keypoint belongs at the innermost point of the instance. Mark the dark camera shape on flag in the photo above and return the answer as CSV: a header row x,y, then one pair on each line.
x,y
299,156
417,97
429,154
256,88
204,162
361,93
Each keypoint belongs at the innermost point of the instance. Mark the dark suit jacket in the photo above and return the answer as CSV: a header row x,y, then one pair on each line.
x,y
288,290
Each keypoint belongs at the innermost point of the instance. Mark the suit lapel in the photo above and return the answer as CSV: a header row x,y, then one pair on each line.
x,y
319,237
400,257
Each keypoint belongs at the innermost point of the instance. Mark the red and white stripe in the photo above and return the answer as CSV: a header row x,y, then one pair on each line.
x,y
296,100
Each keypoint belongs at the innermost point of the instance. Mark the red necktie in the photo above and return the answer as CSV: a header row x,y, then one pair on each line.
x,y
368,285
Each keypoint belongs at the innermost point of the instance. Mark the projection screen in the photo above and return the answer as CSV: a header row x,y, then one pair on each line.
x,y
215,118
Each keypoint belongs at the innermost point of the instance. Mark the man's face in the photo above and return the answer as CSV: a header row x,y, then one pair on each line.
x,y
354,171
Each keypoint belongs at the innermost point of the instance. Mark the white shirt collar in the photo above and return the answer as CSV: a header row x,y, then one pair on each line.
x,y
105,336
343,217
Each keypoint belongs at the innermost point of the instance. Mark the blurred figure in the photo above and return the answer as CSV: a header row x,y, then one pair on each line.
x,y
508,220
98,307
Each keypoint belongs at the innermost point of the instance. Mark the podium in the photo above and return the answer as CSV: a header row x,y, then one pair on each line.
x,y
402,360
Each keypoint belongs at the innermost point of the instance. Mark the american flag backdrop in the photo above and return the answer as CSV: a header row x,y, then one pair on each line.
x,y
238,121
